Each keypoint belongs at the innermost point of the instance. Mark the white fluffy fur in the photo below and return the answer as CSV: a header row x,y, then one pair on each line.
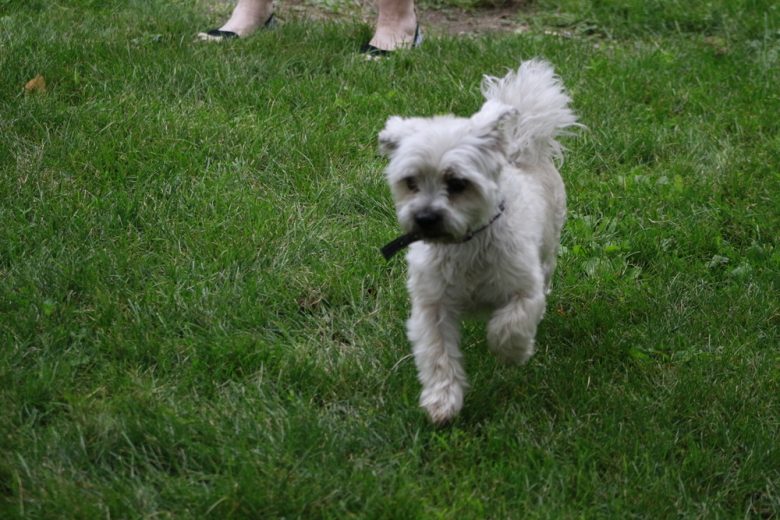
x,y
503,153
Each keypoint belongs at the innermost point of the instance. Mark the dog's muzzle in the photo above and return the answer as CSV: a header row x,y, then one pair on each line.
x,y
429,222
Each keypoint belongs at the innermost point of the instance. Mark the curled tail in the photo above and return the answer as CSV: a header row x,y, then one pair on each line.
x,y
541,111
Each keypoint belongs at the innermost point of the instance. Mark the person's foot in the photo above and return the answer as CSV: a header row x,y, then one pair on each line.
x,y
396,31
248,16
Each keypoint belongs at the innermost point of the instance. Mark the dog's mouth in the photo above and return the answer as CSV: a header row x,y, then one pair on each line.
x,y
433,235
391,248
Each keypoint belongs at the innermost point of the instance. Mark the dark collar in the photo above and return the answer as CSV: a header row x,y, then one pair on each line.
x,y
390,249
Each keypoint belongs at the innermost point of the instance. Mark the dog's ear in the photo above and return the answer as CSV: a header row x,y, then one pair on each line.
x,y
492,123
396,129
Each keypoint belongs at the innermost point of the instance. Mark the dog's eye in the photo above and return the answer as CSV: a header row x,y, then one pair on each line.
x,y
411,184
456,185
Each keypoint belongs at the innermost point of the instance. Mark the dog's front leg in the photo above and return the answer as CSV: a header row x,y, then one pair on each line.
x,y
512,328
434,333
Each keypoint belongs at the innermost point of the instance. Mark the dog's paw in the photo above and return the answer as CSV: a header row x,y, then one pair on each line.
x,y
443,402
517,354
511,330
510,347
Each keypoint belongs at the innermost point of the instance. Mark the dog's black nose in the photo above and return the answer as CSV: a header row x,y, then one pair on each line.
x,y
427,219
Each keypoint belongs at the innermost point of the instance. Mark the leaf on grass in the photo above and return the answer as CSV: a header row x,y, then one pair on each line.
x,y
49,306
37,84
743,271
717,261
638,354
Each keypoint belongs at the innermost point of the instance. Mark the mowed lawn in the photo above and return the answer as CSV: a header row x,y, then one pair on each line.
x,y
195,320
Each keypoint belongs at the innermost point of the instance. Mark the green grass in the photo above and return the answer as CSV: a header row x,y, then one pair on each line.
x,y
195,320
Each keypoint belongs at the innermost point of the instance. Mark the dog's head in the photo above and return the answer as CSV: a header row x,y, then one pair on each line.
x,y
444,171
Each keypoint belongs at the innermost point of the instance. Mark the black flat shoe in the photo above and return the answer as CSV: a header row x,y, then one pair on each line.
x,y
216,35
372,52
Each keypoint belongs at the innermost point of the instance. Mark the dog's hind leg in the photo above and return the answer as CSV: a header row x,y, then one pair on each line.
x,y
512,328
434,333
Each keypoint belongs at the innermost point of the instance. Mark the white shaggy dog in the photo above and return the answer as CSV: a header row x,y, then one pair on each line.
x,y
482,205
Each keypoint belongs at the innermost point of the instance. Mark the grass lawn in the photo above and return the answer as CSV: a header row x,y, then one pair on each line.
x,y
195,320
